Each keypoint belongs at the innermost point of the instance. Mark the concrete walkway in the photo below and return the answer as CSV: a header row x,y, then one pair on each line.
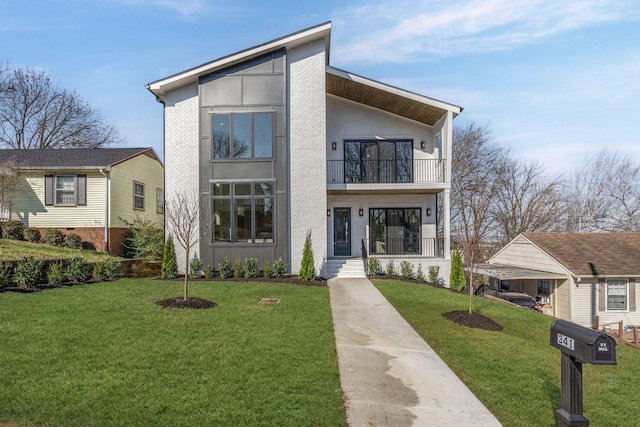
x,y
389,375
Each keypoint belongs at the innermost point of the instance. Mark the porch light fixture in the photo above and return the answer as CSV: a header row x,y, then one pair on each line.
x,y
428,211
334,145
361,212
423,144
328,212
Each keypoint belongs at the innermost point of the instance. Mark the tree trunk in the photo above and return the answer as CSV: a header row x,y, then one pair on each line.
x,y
186,275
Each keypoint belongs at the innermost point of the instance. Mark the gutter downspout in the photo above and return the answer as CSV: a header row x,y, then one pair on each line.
x,y
106,207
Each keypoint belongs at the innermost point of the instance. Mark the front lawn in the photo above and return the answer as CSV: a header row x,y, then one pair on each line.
x,y
515,372
106,354
16,250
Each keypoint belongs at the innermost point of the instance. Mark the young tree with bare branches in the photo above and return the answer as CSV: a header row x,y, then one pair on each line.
x,y
188,220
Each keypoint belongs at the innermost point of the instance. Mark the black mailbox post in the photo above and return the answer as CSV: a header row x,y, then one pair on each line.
x,y
578,345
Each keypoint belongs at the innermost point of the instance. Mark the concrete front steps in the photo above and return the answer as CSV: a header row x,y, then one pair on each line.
x,y
345,268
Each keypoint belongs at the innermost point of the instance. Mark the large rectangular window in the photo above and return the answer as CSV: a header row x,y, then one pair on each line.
x,y
616,294
394,231
378,161
138,196
242,136
243,212
65,190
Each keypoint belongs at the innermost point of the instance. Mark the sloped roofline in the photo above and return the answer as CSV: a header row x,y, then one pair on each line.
x,y
149,151
160,87
455,109
504,248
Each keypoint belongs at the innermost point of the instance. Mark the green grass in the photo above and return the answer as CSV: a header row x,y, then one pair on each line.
x,y
106,354
515,372
15,249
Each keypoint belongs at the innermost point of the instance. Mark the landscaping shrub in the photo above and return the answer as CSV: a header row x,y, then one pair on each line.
x,y
267,271
169,261
78,270
208,272
237,268
54,237
73,241
224,266
406,269
5,275
251,269
98,271
434,271
32,234
55,273
307,269
145,239
279,268
456,278
391,269
112,268
420,273
13,230
373,266
195,266
28,271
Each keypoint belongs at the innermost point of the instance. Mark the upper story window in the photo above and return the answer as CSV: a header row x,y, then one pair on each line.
x,y
138,196
242,136
616,294
378,161
65,190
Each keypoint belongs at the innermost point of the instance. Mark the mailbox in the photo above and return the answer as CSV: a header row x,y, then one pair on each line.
x,y
584,344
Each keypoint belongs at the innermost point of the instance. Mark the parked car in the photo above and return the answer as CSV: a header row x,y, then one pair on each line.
x,y
521,299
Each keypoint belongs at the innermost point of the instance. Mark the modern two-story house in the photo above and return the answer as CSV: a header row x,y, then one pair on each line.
x,y
279,143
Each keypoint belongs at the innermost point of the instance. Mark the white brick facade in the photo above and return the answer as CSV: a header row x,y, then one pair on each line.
x,y
307,136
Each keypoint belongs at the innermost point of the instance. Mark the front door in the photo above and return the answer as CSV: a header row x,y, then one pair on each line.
x,y
342,231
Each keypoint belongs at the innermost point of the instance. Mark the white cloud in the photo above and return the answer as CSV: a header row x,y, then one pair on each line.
x,y
397,31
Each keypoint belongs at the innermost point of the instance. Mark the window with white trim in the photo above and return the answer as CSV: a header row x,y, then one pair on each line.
x,y
159,200
138,196
617,294
65,190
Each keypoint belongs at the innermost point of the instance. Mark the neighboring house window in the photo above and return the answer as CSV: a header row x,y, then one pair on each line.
x,y
616,294
543,287
159,200
373,161
242,136
505,285
243,212
65,190
138,196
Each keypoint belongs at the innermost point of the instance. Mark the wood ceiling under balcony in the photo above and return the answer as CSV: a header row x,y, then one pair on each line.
x,y
383,100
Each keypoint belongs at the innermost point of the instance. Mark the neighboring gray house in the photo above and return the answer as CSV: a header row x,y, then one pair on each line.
x,y
579,276
279,142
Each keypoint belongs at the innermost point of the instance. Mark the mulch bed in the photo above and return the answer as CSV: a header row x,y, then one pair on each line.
x,y
191,302
473,320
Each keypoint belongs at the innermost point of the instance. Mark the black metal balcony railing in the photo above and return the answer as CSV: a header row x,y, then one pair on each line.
x,y
386,171
404,248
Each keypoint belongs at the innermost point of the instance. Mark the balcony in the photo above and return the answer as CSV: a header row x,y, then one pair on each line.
x,y
416,171
404,248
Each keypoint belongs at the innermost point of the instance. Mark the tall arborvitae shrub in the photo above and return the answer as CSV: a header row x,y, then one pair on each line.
x,y
169,262
456,278
307,269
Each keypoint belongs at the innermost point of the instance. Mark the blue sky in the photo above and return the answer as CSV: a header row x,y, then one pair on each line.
x,y
553,80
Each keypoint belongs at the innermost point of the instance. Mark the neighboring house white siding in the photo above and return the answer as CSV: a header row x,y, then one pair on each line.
x,y
307,139
563,300
28,204
181,148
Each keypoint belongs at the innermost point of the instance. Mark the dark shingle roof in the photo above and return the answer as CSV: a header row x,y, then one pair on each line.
x,y
72,158
592,254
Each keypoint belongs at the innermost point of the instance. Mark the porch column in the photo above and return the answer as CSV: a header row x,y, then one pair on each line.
x,y
446,208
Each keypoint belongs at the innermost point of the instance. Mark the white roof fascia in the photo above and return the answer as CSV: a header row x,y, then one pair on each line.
x,y
161,87
395,90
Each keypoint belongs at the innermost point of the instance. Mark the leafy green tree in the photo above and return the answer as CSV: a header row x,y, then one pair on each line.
x,y
169,261
307,269
456,278
145,238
